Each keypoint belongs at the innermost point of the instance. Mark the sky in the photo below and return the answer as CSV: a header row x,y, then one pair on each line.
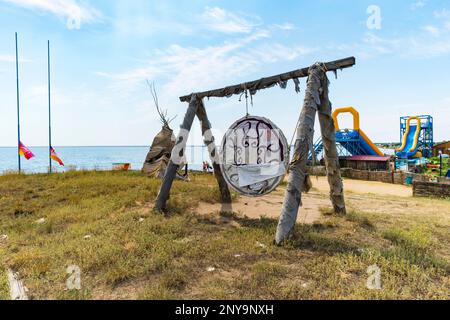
x,y
103,51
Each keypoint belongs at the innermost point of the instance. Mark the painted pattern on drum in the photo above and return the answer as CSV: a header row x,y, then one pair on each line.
x,y
253,141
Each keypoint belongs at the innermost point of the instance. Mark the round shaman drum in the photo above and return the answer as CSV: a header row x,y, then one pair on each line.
x,y
255,156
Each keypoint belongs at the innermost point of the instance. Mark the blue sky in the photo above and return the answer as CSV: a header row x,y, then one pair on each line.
x,y
104,50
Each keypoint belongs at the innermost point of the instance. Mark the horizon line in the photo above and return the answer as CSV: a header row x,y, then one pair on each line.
x,y
80,146
129,146
97,146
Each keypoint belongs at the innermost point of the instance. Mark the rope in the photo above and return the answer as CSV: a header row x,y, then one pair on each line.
x,y
247,114
295,132
246,103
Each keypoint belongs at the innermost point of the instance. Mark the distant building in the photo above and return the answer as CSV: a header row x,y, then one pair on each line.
x,y
371,163
444,147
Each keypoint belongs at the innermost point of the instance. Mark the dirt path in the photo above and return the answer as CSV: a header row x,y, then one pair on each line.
x,y
366,187
270,205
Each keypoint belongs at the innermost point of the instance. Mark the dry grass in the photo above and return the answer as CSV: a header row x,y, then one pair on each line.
x,y
4,287
134,253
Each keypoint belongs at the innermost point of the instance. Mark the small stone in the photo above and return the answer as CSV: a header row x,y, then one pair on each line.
x,y
237,255
262,245
211,269
141,220
40,221
87,237
4,237
305,285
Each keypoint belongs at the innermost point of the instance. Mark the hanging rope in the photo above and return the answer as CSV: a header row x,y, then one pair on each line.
x,y
246,103
295,132
246,92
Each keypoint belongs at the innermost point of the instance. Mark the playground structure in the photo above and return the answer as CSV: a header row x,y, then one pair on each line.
x,y
350,142
416,136
417,140
316,102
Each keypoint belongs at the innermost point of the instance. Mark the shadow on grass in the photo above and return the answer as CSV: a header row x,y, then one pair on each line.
x,y
312,238
305,237
263,223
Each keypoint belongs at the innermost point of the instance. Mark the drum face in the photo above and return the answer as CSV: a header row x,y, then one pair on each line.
x,y
255,156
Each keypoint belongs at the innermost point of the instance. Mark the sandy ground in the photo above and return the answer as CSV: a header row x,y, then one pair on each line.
x,y
360,195
365,187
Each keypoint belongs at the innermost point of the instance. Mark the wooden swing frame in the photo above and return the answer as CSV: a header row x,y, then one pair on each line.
x,y
197,109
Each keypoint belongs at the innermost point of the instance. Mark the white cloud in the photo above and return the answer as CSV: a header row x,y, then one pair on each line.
x,y
186,69
420,45
7,58
11,58
143,26
179,70
442,14
73,12
219,19
432,30
287,26
133,21
418,4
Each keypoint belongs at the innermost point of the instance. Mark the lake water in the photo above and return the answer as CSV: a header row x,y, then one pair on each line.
x,y
89,158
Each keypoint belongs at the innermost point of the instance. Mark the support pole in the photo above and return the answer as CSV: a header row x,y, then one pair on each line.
x,y
330,150
214,156
18,107
298,171
178,151
49,111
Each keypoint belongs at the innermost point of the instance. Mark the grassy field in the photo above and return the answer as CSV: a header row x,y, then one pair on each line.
x,y
103,222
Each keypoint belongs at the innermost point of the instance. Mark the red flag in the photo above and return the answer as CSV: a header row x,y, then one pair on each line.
x,y
55,157
25,152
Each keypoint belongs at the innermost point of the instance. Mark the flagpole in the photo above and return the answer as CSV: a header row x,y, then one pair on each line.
x,y
49,110
18,107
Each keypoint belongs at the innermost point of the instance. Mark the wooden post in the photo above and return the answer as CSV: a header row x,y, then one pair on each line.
x,y
214,156
298,174
330,150
173,167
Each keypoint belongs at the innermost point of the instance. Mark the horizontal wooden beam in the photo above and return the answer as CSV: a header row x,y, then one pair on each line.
x,y
265,83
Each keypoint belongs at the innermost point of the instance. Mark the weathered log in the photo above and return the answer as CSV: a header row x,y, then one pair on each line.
x,y
16,287
173,167
214,156
330,150
265,83
298,169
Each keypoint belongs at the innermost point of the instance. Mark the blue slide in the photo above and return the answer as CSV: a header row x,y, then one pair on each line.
x,y
410,145
364,146
410,142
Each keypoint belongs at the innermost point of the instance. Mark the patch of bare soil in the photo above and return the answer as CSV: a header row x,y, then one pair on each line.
x,y
366,187
356,191
270,207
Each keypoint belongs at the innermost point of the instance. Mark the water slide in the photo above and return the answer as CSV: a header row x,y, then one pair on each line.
x,y
354,141
410,143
